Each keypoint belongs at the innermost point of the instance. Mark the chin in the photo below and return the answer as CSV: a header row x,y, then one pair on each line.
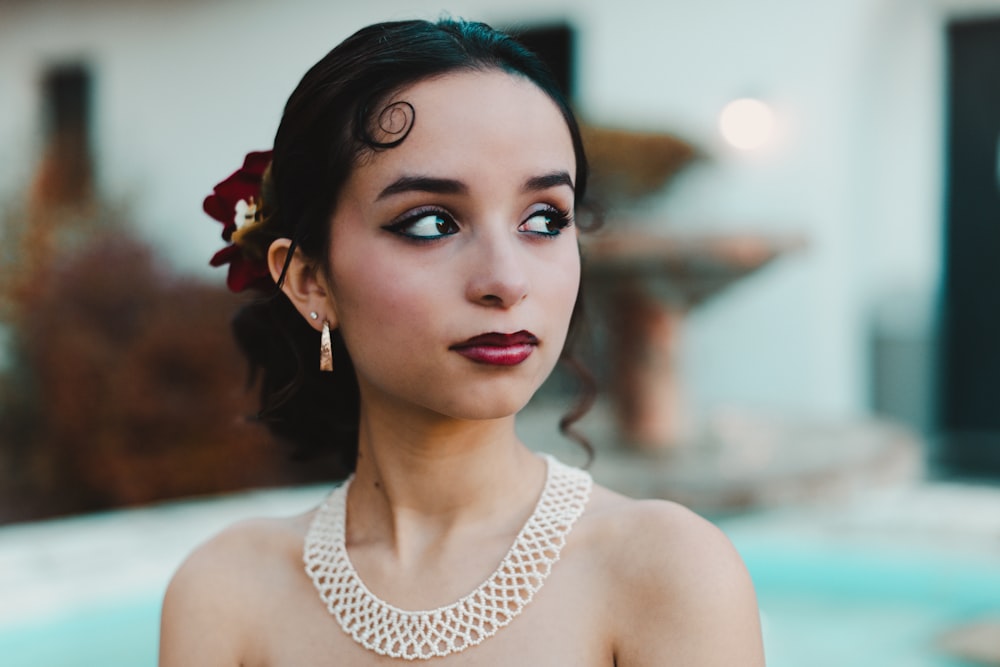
x,y
489,413
495,405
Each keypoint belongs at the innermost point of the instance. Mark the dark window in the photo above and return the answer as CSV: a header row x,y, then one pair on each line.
x,y
970,368
66,171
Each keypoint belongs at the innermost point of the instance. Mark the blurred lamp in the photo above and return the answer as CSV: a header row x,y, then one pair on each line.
x,y
746,123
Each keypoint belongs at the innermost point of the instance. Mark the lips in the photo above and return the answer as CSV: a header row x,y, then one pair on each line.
x,y
498,349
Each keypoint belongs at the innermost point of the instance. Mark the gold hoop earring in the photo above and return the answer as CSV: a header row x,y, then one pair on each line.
x,y
325,349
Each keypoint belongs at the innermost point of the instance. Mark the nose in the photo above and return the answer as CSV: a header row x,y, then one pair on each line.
x,y
498,276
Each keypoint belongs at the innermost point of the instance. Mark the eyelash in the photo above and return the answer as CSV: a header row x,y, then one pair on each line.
x,y
558,221
412,217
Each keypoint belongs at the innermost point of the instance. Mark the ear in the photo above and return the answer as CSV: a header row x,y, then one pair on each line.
x,y
304,284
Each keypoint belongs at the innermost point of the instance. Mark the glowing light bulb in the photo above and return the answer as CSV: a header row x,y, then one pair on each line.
x,y
746,123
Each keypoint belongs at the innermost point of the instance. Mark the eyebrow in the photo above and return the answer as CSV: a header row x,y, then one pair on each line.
x,y
443,186
450,186
546,181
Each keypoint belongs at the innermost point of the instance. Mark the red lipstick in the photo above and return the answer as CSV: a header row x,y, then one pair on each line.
x,y
498,349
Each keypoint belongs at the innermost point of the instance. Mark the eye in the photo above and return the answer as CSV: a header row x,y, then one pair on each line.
x,y
546,222
425,225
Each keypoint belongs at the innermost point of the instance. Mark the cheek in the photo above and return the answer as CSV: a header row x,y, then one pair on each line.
x,y
377,298
563,276
557,284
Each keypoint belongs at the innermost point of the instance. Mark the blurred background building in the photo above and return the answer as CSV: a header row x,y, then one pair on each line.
x,y
889,308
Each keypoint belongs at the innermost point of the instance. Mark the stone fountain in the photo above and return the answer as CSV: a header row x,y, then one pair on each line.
x,y
650,441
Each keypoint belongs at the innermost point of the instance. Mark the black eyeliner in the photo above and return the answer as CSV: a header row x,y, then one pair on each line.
x,y
398,226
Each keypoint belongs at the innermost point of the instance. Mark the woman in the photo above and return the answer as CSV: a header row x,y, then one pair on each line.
x,y
418,217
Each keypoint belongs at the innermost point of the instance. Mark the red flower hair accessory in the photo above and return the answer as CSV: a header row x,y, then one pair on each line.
x,y
237,204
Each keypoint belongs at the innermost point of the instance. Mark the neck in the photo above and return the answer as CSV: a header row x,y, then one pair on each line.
x,y
432,477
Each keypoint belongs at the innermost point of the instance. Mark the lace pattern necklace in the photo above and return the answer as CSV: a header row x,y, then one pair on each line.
x,y
421,635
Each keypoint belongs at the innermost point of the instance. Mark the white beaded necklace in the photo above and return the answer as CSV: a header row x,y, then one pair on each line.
x,y
420,635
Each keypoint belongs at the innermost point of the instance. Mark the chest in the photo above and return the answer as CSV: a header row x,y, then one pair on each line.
x,y
565,624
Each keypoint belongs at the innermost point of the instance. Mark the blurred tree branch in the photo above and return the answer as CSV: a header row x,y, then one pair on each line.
x,y
122,383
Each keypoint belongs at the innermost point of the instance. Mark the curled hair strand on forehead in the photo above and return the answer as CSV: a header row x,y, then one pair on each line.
x,y
395,120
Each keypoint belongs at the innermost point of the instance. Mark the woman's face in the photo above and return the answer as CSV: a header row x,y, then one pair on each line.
x,y
453,258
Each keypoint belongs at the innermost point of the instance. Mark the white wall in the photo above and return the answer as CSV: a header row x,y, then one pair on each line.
x,y
855,169
184,89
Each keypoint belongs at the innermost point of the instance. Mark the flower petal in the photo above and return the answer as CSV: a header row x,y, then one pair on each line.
x,y
215,206
240,185
225,256
257,161
245,274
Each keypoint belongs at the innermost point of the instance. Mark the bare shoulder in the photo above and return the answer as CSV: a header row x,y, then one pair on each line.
x,y
208,609
678,587
242,547
658,534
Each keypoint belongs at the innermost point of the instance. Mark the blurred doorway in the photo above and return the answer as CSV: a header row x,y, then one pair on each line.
x,y
970,353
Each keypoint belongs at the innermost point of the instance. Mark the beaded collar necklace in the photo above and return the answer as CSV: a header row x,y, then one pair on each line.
x,y
421,635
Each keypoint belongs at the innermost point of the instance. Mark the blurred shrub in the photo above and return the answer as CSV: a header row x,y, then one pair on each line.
x,y
124,386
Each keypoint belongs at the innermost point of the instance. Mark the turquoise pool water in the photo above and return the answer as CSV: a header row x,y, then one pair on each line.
x,y
822,605
853,605
122,633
